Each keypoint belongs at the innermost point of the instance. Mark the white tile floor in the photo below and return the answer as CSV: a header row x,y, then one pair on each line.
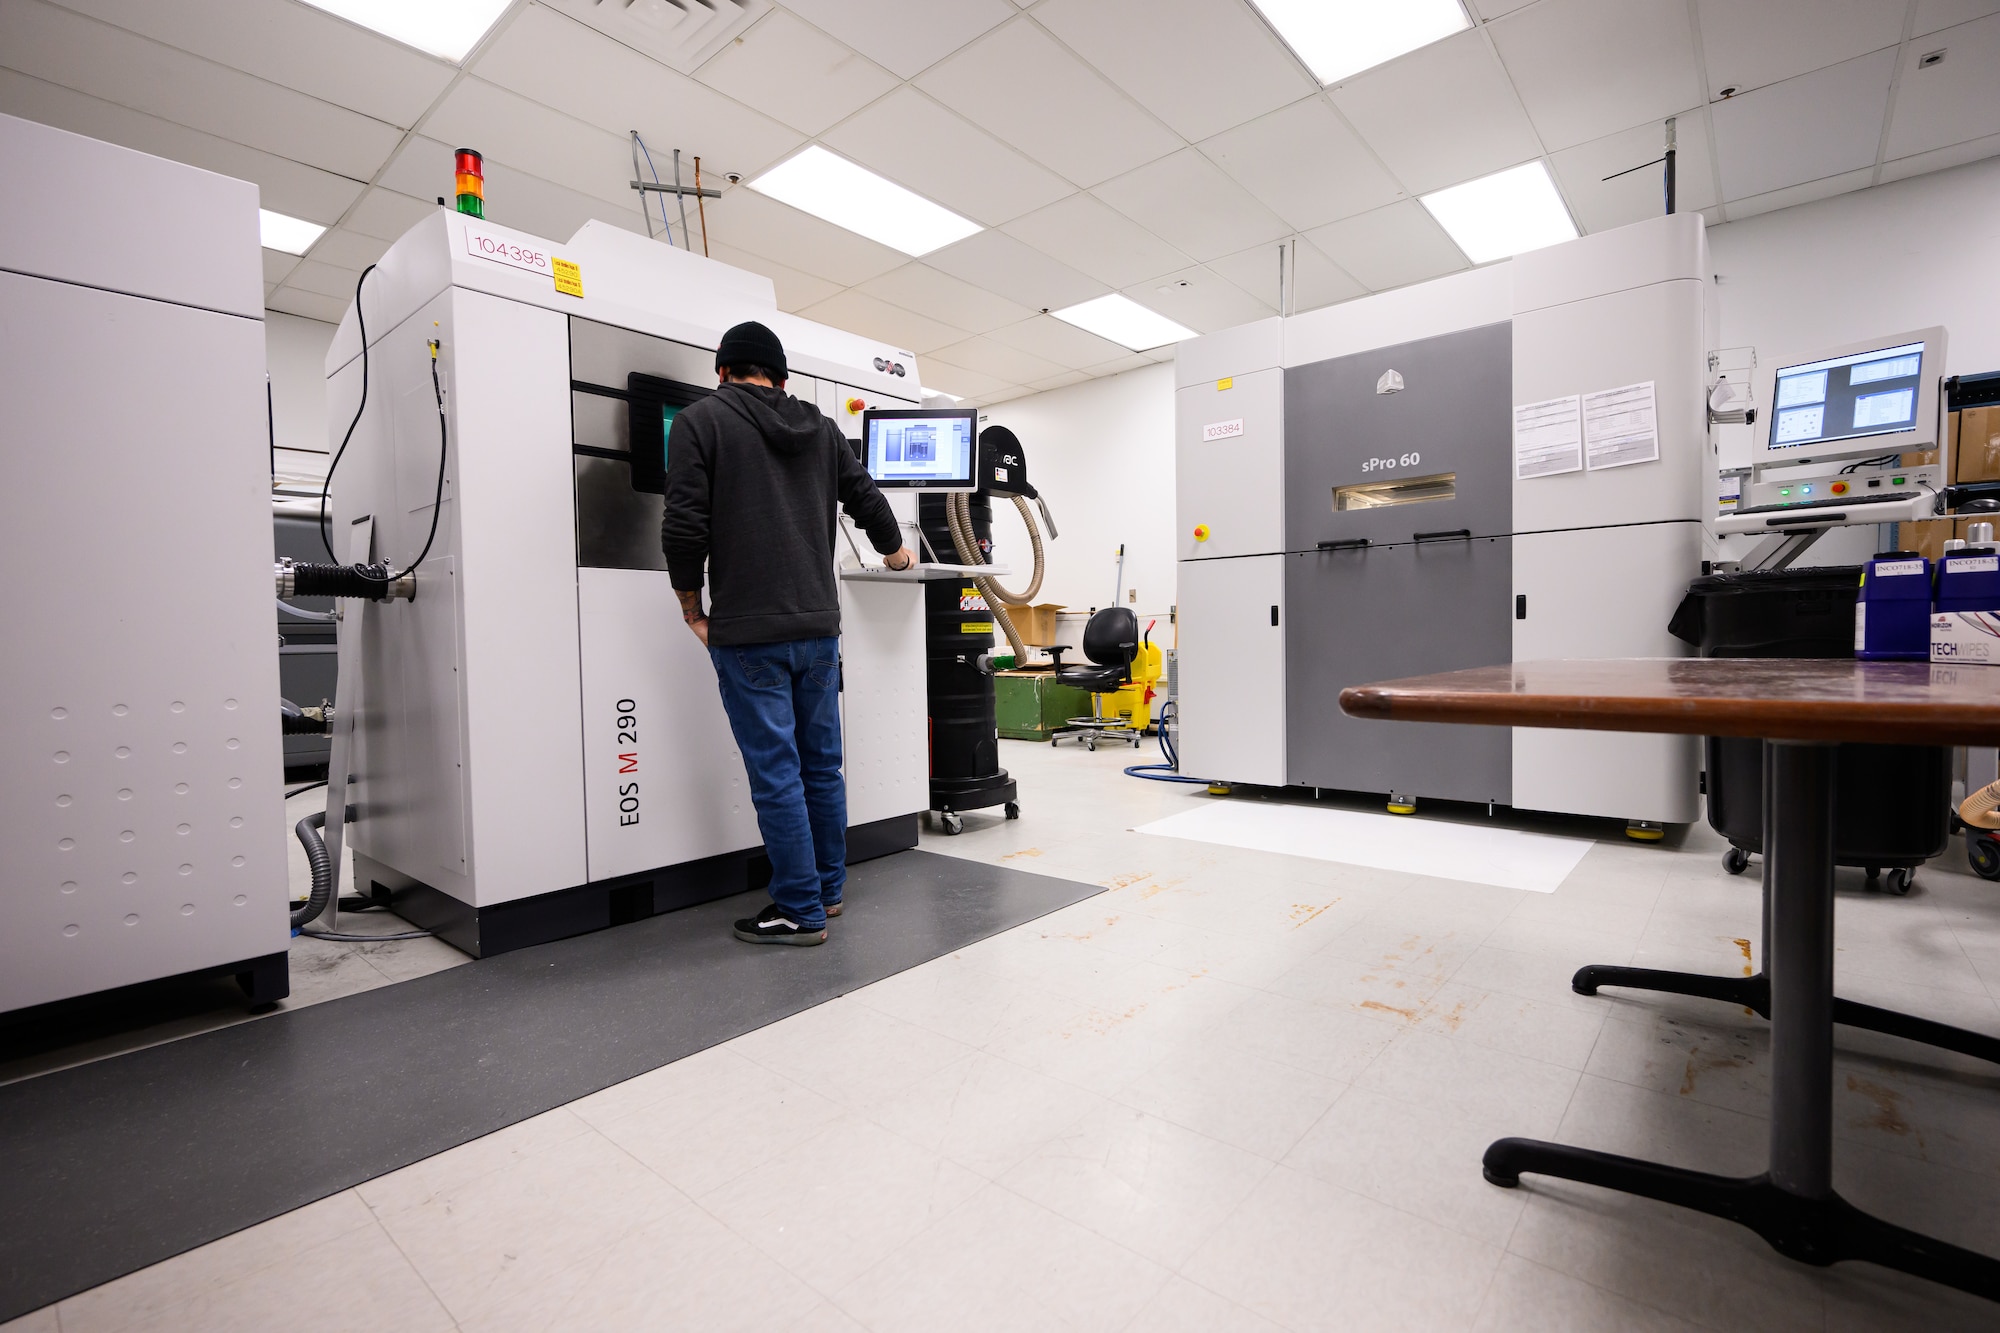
x,y
1236,1091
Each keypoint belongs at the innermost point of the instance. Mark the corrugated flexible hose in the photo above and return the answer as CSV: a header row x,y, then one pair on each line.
x,y
958,509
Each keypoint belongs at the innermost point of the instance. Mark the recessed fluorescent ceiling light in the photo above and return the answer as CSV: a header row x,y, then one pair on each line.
x,y
1337,38
830,187
1124,321
447,28
1503,214
294,236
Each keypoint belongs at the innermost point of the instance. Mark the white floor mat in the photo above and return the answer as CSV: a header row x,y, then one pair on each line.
x,y
1507,858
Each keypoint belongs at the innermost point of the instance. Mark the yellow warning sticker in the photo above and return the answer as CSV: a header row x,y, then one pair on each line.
x,y
569,277
975,627
969,599
1221,384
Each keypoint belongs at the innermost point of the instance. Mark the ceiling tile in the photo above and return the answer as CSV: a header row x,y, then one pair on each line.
x,y
277,265
286,186
1305,164
310,305
514,198
1953,100
1094,238
1933,15
1429,139
985,83
577,70
905,330
972,385
512,130
796,290
293,45
1749,45
1583,67
1053,340
1187,201
1062,381
1319,281
347,249
1599,205
386,215
1390,247
1203,300
791,70
324,280
1119,365
994,358
1940,159
1806,193
760,224
999,263
1816,125
1202,66
919,287
908,36
128,70
924,147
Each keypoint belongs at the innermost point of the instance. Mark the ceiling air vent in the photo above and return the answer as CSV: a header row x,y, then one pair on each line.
x,y
678,33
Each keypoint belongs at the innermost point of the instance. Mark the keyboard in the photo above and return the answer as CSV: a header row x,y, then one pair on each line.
x,y
1900,494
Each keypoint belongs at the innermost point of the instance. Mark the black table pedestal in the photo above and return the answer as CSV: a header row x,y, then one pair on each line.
x,y
1792,1205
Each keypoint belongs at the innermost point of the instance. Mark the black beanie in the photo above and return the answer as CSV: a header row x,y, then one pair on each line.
x,y
751,344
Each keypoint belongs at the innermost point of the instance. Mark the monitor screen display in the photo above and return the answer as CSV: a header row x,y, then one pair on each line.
x,y
921,449
1846,397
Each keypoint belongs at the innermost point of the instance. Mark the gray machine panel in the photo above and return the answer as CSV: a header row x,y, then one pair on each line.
x,y
618,525
1381,612
1346,425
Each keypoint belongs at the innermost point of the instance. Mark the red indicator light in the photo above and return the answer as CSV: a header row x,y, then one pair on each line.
x,y
471,182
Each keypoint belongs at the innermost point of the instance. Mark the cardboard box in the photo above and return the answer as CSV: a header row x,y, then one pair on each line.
x,y
1978,451
1966,638
1037,623
1927,536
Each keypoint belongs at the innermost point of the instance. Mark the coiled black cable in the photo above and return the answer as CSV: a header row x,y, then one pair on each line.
x,y
368,574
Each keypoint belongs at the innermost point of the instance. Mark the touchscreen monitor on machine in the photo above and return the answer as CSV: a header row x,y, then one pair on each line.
x,y
932,449
1877,397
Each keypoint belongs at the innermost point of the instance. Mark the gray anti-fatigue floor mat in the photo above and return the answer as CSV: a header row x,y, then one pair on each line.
x,y
111,1166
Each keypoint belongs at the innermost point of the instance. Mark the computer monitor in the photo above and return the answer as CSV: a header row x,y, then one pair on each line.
x,y
931,449
1878,396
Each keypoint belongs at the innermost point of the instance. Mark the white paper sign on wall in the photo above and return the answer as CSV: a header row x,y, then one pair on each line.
x,y
1222,430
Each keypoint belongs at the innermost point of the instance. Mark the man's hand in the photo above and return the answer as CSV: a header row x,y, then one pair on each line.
x,y
901,558
691,612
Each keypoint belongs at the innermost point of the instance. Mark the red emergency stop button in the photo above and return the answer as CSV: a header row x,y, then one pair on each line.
x,y
1201,532
1839,488
855,405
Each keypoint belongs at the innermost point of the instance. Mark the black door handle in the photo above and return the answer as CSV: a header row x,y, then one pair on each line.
x,y
1466,533
1343,544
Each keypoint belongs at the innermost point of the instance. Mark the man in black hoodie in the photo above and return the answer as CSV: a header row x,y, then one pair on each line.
x,y
752,479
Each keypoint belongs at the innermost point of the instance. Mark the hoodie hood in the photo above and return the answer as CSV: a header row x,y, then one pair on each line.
x,y
785,423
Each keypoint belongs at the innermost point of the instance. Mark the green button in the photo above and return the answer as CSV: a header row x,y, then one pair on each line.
x,y
1897,481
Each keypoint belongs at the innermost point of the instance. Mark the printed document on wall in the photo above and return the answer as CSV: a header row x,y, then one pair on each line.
x,y
1548,438
1621,426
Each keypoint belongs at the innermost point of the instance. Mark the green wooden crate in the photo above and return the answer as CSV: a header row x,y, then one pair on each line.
x,y
1029,705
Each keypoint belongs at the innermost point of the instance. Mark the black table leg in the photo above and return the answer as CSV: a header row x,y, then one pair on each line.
x,y
1792,1205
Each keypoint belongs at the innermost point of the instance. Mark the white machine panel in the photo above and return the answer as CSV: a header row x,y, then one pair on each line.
x,y
1604,592
1232,669
646,805
141,810
1229,459
882,669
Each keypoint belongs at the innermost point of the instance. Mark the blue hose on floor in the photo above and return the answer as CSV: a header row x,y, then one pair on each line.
x,y
1170,771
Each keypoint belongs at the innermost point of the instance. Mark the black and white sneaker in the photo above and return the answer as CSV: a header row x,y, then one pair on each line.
x,y
772,926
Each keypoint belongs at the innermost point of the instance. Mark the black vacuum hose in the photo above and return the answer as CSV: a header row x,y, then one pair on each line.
x,y
322,868
364,581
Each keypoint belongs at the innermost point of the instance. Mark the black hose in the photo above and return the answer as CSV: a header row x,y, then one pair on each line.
x,y
326,487
322,867
365,581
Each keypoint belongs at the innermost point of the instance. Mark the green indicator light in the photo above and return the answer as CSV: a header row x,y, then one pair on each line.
x,y
1897,481
1785,490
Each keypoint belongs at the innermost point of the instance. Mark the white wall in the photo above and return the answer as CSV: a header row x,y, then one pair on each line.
x,y
295,354
1102,455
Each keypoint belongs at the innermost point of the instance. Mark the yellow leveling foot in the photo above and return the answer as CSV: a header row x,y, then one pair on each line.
x,y
1399,806
1218,789
1645,832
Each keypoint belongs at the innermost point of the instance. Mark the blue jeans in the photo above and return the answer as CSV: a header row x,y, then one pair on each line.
x,y
783,701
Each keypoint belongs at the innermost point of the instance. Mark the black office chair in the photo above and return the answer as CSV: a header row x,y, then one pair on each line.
x,y
1111,642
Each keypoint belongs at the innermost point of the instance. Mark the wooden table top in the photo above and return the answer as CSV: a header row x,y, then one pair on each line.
x,y
1905,703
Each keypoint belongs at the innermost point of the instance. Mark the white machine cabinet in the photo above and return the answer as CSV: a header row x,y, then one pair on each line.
x,y
1363,477
141,770
540,748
